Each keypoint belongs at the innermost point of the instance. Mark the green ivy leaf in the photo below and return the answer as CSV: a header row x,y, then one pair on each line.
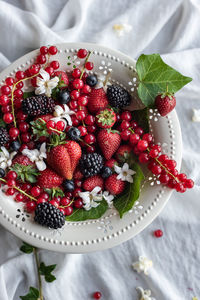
x,y
28,94
33,294
142,117
155,76
26,248
125,202
94,213
46,272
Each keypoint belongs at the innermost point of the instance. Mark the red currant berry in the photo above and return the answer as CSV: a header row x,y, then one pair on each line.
x,y
49,70
153,153
78,183
5,89
13,132
11,182
126,115
25,137
76,192
19,198
43,50
75,94
163,158
142,145
83,101
174,172
134,124
156,147
9,81
80,115
19,85
147,137
156,170
180,187
134,139
65,201
20,75
26,186
18,93
139,131
182,177
86,89
78,203
89,65
164,178
50,124
35,191
44,195
68,210
54,203
53,50
40,199
75,121
41,59
11,175
172,183
4,100
8,118
76,73
60,125
90,139
73,104
82,53
90,149
82,130
97,295
158,233
91,128
189,183
6,109
78,83
34,81
125,135
171,164
124,125
10,191
89,120
34,69
55,64
21,116
23,127
31,206
144,158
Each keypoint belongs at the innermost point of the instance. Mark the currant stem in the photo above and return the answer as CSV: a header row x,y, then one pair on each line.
x,y
35,251
86,60
106,79
68,204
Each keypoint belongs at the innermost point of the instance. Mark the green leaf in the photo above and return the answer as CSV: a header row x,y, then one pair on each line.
x,y
125,202
155,76
142,117
27,173
56,139
28,94
26,248
46,272
55,192
94,213
39,128
33,294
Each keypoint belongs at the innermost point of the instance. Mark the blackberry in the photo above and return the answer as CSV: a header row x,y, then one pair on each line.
x,y
38,105
118,96
4,136
48,215
91,164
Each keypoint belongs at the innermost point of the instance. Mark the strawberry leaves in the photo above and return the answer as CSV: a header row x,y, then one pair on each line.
x,y
125,202
94,213
26,173
155,76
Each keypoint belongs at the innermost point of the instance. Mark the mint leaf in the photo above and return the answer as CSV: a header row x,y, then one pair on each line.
x,y
142,117
94,213
32,295
125,202
28,94
26,248
46,271
154,77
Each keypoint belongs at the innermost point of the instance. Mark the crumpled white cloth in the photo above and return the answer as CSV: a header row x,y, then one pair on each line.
x,y
171,28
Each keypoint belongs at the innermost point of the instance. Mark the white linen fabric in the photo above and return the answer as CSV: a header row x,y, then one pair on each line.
x,y
171,28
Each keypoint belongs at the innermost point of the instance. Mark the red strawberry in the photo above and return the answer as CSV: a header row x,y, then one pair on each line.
x,y
78,174
106,118
123,153
63,77
74,151
114,185
22,160
90,183
97,100
111,163
48,179
165,103
59,160
108,142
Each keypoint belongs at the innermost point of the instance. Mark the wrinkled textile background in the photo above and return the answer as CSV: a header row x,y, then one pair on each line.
x,y
171,28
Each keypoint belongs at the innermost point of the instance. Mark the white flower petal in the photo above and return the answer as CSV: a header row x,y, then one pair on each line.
x,y
125,167
43,148
40,90
96,190
129,178
131,172
94,204
40,165
5,151
120,176
3,165
69,120
117,169
58,111
45,75
48,92
40,81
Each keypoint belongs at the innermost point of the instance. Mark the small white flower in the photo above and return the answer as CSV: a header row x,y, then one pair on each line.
x,y
90,198
102,82
122,29
144,294
105,67
109,198
45,85
125,174
63,114
196,115
142,265
6,158
37,156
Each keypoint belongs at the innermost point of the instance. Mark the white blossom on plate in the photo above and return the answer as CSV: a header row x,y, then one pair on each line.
x,y
45,84
63,114
37,156
196,115
144,294
105,67
103,82
90,199
142,265
109,198
6,158
125,174
122,29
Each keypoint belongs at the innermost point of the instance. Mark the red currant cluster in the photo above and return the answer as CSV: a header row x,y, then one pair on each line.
x,y
159,164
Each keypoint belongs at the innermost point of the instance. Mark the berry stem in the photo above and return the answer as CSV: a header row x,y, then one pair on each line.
x,y
68,204
106,79
86,60
35,251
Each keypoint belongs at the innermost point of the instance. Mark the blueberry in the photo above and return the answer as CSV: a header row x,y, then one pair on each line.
x,y
63,96
68,185
2,173
15,145
106,172
91,80
74,134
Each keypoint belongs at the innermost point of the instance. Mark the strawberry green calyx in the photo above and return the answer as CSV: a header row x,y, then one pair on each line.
x,y
55,192
106,118
57,139
26,173
39,128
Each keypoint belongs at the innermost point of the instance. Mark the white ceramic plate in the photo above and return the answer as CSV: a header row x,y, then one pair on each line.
x,y
110,230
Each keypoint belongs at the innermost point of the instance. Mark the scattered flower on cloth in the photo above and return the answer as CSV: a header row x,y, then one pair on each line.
x,y
63,114
196,115
142,265
122,29
125,174
145,294
6,158
109,198
37,156
90,199
45,85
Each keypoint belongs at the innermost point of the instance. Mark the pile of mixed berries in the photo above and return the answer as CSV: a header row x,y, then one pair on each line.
x,y
67,145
